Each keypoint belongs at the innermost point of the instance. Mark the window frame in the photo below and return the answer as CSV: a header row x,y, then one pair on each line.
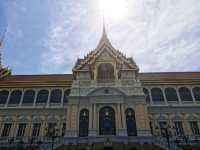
x,y
157,94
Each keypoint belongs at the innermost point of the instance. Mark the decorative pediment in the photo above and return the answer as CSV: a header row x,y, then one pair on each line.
x,y
106,92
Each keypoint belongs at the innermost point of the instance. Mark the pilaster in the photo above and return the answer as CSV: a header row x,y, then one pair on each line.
x,y
142,120
123,131
72,121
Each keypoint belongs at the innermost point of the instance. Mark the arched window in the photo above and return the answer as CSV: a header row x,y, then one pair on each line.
x,y
56,95
185,94
196,92
29,96
105,72
66,95
171,94
146,93
3,96
42,96
15,97
130,122
157,94
107,121
83,122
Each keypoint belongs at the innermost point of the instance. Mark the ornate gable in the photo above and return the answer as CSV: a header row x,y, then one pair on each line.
x,y
105,52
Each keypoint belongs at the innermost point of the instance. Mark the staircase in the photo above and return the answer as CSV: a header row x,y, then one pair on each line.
x,y
162,142
48,146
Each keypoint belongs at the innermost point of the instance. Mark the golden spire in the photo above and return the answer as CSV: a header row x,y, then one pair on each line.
x,y
3,71
104,38
1,46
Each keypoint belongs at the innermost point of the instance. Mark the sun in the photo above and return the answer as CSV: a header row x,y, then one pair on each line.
x,y
113,9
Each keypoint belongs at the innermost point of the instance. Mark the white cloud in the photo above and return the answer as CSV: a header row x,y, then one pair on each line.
x,y
160,35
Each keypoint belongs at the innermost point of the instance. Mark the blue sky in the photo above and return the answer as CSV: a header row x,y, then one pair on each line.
x,y
47,36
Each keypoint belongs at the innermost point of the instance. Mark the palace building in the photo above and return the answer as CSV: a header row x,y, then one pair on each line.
x,y
105,104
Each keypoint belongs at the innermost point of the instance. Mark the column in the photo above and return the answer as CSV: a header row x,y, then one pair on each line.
x,y
68,125
29,128
165,99
7,101
151,101
35,98
90,119
119,116
21,99
179,99
14,127
43,127
193,98
48,100
62,97
186,126
95,130
1,124
123,116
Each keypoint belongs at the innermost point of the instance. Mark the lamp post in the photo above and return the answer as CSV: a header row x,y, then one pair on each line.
x,y
52,133
11,141
166,129
165,132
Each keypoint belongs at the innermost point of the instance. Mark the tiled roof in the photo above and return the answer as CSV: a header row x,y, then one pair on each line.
x,y
66,79
42,77
169,75
170,78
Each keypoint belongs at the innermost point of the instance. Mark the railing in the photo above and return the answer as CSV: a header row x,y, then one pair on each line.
x,y
45,143
30,142
162,142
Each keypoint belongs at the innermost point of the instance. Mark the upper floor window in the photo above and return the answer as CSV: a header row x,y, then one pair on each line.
x,y
157,94
105,72
56,95
171,94
15,97
146,93
196,92
42,96
66,94
29,96
3,96
185,94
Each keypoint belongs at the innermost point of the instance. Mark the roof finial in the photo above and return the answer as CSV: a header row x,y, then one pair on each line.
x,y
104,35
104,38
104,28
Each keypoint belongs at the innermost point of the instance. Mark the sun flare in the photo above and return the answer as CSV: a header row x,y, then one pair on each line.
x,y
113,9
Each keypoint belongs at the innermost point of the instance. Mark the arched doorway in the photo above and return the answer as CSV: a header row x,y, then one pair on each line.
x,y
130,122
83,123
107,121
107,148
